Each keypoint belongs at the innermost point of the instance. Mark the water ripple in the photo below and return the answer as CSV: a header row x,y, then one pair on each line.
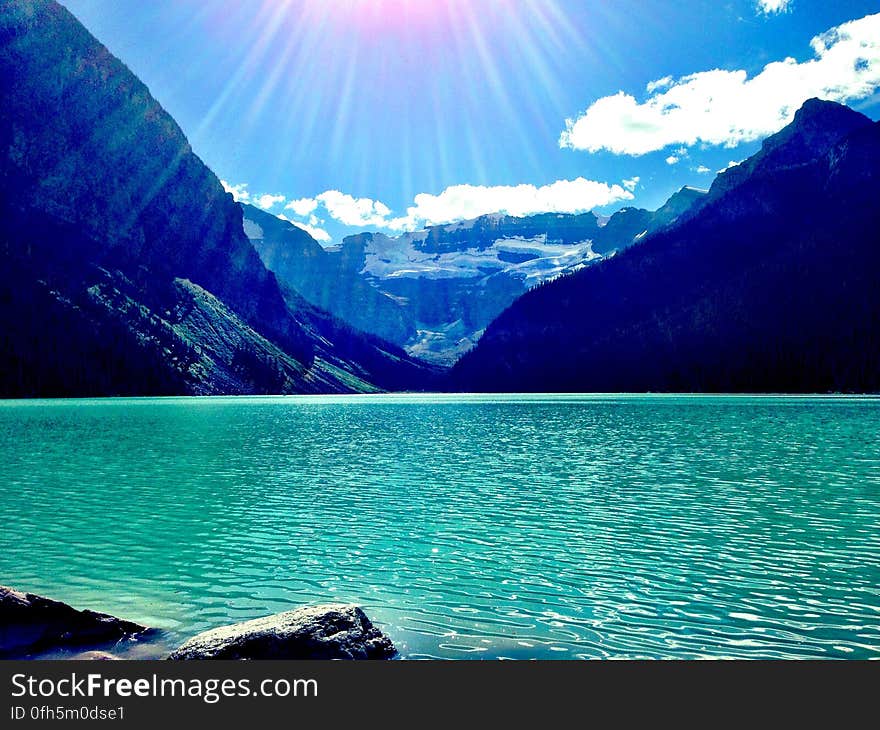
x,y
468,527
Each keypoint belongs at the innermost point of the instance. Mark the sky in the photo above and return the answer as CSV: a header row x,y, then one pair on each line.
x,y
388,115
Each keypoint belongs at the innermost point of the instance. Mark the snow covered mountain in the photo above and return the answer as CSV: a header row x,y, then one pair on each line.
x,y
434,291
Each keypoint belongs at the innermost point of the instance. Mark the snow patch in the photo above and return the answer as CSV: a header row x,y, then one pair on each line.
x,y
253,230
394,258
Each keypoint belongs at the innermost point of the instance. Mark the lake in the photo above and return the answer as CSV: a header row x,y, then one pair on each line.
x,y
466,526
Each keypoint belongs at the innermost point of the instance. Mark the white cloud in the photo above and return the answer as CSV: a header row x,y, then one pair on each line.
x,y
319,234
663,83
302,207
351,211
721,107
772,7
267,201
239,193
455,203
703,170
672,160
732,163
461,202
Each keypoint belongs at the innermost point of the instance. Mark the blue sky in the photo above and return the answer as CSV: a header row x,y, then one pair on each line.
x,y
350,115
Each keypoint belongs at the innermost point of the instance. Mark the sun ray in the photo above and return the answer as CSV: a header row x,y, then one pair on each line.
x,y
471,87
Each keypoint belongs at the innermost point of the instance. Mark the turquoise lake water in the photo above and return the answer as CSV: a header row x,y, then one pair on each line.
x,y
466,526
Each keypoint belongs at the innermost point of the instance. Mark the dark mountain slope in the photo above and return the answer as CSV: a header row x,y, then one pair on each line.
x,y
114,235
770,284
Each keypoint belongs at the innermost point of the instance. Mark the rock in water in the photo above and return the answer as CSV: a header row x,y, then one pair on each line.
x,y
30,624
331,631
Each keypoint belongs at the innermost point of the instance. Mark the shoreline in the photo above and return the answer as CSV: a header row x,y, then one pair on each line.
x,y
452,396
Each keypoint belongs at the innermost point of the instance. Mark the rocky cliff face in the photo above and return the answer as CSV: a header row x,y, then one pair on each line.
x,y
108,224
758,287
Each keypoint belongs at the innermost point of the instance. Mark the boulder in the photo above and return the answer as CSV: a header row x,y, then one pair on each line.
x,y
330,631
33,624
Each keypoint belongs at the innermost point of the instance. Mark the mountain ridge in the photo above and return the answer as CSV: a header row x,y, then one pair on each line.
x,y
433,291
756,289
104,203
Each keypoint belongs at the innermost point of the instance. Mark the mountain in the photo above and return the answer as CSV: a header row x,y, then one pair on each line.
x,y
434,291
771,282
329,281
124,266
